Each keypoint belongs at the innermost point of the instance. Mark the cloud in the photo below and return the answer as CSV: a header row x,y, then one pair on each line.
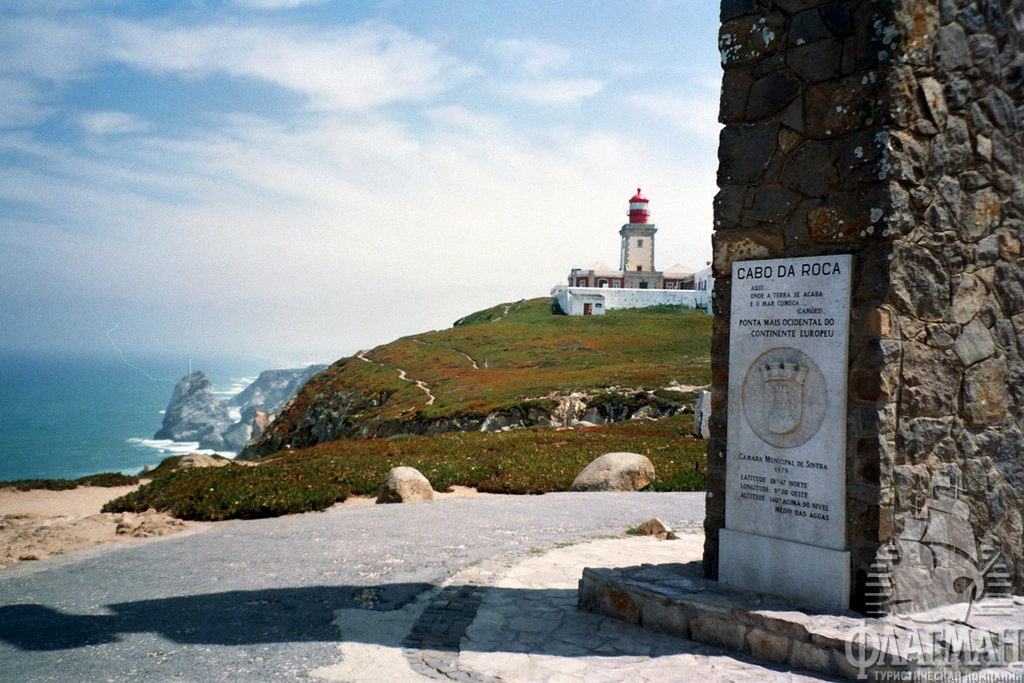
x,y
49,49
553,90
337,226
23,102
112,123
276,4
697,113
354,68
457,117
351,68
533,57
272,236
39,56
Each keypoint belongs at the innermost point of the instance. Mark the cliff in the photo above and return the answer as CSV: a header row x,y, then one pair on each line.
x,y
195,414
513,365
272,389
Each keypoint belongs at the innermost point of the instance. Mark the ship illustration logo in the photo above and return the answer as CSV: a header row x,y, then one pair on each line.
x,y
936,560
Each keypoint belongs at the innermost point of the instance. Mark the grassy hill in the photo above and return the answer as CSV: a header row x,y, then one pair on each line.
x,y
511,356
514,357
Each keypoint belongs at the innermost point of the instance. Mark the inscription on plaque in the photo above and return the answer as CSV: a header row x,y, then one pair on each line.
x,y
786,474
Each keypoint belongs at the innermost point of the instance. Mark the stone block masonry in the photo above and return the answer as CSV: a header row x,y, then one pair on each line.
x,y
890,130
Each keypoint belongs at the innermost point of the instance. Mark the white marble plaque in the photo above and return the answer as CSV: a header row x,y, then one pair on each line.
x,y
788,345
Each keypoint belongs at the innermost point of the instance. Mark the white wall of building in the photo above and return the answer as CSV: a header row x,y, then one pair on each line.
x,y
702,280
573,300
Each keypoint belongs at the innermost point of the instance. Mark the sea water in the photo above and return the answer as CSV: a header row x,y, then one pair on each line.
x,y
66,416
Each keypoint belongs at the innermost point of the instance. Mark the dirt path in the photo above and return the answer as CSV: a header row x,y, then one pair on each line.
x,y
361,355
418,382
468,357
504,312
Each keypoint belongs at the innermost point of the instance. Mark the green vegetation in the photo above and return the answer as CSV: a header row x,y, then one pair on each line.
x,y
535,460
522,355
510,356
107,479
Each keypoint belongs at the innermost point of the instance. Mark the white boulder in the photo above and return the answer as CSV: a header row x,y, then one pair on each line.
x,y
615,472
404,485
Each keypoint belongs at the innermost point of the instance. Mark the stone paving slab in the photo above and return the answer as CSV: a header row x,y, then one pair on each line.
x,y
524,625
674,598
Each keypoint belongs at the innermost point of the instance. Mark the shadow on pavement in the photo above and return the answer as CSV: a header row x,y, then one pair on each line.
x,y
231,618
284,615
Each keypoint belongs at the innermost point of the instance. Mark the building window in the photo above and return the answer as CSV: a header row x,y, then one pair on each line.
x,y
643,285
639,243
602,283
670,285
639,267
581,282
616,285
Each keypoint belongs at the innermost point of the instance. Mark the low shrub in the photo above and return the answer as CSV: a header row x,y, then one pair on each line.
x,y
106,479
523,461
236,492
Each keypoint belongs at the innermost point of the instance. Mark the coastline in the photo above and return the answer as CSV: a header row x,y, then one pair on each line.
x,y
76,414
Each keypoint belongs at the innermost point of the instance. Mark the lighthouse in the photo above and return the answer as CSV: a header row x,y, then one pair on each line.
x,y
638,211
637,251
598,288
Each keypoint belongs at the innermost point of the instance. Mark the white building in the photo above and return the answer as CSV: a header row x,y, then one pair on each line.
x,y
636,284
597,300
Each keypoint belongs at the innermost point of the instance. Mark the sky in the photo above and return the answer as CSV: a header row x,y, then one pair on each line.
x,y
300,179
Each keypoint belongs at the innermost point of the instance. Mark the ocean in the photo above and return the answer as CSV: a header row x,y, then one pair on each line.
x,y
66,416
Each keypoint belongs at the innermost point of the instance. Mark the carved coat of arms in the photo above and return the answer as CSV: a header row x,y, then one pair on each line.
x,y
783,396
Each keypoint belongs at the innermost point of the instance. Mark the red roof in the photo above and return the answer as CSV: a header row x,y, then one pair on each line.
x,y
638,197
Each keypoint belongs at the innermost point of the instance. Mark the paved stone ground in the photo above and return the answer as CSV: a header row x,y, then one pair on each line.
x,y
527,626
463,589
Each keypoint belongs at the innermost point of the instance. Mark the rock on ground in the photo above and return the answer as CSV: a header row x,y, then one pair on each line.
x,y
615,472
200,460
657,528
404,485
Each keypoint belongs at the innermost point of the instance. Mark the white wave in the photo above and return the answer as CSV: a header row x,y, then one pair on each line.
x,y
170,448
163,412
235,414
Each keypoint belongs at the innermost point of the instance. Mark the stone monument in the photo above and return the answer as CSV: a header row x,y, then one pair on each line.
x,y
883,137
785,494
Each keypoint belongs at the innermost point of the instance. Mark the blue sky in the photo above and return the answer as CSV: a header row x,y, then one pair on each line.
x,y
303,178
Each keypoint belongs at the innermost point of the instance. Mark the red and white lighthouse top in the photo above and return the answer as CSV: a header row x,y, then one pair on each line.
x,y
638,212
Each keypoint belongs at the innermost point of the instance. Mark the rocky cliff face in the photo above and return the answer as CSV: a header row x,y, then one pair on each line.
x,y
349,414
194,414
273,388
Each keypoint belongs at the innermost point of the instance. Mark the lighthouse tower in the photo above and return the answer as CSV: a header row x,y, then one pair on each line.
x,y
637,260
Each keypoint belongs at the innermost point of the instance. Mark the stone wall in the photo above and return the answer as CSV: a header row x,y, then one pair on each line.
x,y
890,130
